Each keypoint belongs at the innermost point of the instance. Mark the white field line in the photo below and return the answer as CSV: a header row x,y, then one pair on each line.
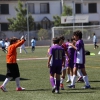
x,y
33,58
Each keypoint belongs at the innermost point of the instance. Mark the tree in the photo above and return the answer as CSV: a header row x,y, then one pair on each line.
x,y
67,11
43,34
20,22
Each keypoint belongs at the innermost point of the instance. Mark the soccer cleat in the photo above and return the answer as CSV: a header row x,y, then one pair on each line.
x,y
71,86
3,88
61,86
86,87
56,91
53,89
80,79
20,89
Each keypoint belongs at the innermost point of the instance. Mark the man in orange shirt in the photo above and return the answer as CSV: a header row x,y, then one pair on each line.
x,y
12,66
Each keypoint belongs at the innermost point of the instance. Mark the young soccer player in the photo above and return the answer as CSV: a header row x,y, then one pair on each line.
x,y
2,42
61,43
79,60
70,65
55,62
12,66
33,43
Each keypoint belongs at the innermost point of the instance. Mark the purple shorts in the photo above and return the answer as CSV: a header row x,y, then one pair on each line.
x,y
79,66
70,64
55,69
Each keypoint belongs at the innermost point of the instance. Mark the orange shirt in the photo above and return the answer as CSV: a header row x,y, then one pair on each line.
x,y
12,54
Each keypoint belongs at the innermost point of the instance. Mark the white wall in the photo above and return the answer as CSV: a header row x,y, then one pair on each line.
x,y
54,10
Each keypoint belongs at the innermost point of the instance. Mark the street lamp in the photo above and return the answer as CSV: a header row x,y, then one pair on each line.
x,y
27,24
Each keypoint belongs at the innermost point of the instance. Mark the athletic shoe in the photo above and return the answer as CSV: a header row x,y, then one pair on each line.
x,y
53,89
56,91
71,86
61,86
67,81
20,89
80,79
3,88
86,87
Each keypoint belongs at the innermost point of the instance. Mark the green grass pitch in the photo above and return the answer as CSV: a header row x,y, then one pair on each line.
x,y
35,78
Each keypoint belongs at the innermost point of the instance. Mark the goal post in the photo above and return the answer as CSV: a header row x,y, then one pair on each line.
x,y
67,31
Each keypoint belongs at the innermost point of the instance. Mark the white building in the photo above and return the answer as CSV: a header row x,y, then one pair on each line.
x,y
90,8
44,10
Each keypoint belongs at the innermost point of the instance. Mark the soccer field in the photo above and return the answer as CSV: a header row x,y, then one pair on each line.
x,y
35,78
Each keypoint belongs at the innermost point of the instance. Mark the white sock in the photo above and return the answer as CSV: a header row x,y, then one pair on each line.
x,y
55,80
61,80
85,78
79,73
73,80
6,81
68,76
20,50
17,82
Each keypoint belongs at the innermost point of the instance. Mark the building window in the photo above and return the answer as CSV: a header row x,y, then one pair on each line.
x,y
78,8
92,7
4,26
31,8
4,8
44,8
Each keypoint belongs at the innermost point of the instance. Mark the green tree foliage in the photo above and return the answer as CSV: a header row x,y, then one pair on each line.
x,y
43,34
20,22
67,11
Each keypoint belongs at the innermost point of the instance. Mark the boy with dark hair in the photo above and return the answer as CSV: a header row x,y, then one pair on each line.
x,y
12,66
55,62
79,60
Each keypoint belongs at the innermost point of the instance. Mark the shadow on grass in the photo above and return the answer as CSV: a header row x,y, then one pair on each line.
x,y
38,90
94,81
77,92
2,78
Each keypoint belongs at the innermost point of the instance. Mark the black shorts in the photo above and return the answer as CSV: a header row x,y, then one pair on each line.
x,y
12,70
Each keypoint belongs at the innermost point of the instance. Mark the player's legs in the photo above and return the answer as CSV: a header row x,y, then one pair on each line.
x,y
58,72
52,81
85,78
32,48
57,83
20,50
68,74
74,77
80,75
25,50
62,78
71,74
94,45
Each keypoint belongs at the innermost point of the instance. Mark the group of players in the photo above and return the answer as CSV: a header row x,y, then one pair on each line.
x,y
70,56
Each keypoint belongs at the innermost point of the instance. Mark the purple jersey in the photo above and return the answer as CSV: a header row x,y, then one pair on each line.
x,y
67,44
71,52
79,56
57,53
